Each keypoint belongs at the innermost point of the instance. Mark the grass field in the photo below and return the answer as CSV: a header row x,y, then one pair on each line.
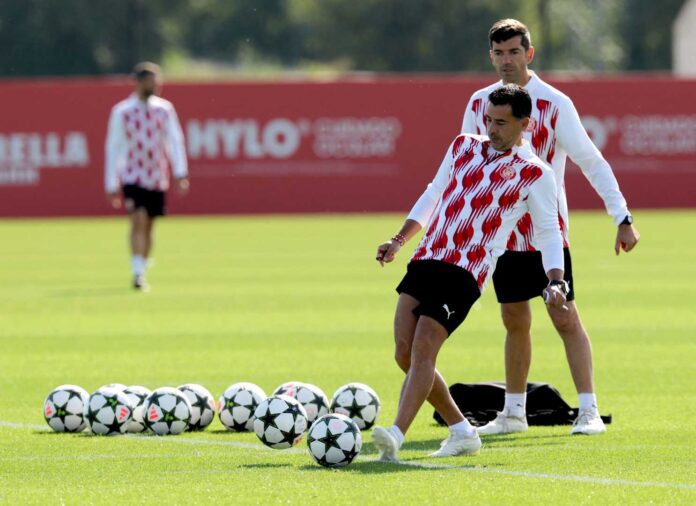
x,y
273,299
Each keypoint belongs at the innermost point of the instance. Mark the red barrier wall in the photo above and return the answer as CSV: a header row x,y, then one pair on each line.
x,y
351,145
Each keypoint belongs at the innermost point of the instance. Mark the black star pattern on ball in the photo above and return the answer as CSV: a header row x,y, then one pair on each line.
x,y
202,404
354,409
169,417
91,416
317,400
268,420
291,434
114,427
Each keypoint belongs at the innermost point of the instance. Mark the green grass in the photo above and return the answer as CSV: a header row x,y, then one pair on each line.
x,y
273,299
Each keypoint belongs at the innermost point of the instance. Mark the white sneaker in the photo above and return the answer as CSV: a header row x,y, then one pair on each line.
x,y
386,443
589,423
459,445
504,424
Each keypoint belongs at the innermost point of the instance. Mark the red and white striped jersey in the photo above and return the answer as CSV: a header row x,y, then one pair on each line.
x,y
555,133
142,140
476,199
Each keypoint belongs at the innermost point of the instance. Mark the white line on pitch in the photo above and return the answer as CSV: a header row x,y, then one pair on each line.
x,y
410,463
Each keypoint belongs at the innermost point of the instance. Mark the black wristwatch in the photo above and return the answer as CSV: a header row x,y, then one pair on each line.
x,y
561,283
628,220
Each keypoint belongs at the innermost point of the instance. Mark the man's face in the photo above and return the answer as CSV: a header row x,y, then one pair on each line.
x,y
510,60
502,127
149,84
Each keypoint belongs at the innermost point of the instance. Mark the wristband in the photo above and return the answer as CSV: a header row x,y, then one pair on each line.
x,y
400,239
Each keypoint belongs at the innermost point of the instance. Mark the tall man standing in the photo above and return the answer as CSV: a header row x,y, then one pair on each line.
x,y
482,188
555,133
144,137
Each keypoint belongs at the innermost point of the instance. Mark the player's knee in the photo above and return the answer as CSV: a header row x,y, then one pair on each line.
x,y
403,359
517,321
567,323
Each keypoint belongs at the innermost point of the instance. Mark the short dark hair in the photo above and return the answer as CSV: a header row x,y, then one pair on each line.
x,y
505,29
516,97
146,68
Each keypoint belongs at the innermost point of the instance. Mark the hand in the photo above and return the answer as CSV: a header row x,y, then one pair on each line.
x,y
387,251
114,199
182,185
626,238
555,296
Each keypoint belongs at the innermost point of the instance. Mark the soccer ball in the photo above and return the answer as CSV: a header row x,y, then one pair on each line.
x,y
357,401
237,405
167,411
202,405
313,400
116,386
289,388
137,394
63,408
108,412
334,440
280,422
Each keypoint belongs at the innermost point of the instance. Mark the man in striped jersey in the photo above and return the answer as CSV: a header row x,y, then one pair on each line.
x,y
555,132
481,190
144,137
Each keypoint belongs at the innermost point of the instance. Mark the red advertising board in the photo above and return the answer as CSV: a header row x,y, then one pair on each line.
x,y
353,145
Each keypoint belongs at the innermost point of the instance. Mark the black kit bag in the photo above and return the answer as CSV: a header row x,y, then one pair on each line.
x,y
481,402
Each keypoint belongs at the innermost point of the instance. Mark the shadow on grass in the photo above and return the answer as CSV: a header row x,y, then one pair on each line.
x,y
264,466
368,467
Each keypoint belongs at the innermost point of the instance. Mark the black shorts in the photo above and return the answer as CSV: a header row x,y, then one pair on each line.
x,y
445,291
519,276
152,201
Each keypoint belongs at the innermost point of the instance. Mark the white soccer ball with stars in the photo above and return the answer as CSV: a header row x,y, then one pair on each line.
x,y
108,412
280,422
358,402
137,395
167,411
288,388
237,405
202,405
334,440
312,399
63,408
116,386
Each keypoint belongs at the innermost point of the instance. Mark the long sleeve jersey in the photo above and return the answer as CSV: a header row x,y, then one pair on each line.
x,y
475,200
143,138
555,133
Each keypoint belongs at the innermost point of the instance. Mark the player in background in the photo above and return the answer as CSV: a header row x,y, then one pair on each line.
x,y
482,188
555,133
144,137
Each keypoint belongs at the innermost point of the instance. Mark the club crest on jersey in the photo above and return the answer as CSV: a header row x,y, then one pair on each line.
x,y
531,127
508,173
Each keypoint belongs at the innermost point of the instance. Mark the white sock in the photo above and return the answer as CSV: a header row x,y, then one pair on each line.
x,y
516,404
398,435
463,428
138,264
588,401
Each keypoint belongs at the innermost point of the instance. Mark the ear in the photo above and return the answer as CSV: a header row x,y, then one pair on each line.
x,y
530,54
525,124
490,54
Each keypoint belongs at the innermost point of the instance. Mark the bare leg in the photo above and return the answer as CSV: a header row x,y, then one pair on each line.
x,y
405,323
427,341
577,345
139,232
149,236
517,318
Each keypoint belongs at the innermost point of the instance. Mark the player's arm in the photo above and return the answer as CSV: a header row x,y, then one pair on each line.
x,y
176,150
543,209
114,156
420,213
574,140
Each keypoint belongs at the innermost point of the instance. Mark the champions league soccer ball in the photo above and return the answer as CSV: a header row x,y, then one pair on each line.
x,y
202,405
312,399
334,440
167,411
237,405
116,386
357,401
280,422
289,388
108,412
63,408
137,394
